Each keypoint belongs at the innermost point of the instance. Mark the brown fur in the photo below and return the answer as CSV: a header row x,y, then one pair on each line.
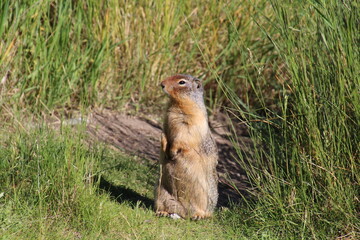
x,y
188,180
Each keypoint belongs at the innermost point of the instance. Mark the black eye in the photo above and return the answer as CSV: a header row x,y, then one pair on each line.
x,y
182,82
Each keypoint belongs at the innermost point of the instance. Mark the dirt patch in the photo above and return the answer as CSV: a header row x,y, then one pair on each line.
x,y
141,137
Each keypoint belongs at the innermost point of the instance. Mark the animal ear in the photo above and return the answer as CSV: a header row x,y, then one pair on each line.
x,y
198,83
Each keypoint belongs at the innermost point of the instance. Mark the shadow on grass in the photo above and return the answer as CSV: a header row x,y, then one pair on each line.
x,y
123,194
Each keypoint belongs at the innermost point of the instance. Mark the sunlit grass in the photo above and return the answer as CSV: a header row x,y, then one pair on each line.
x,y
305,167
76,53
50,188
288,70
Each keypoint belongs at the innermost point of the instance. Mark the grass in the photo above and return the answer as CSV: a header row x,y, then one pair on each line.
x,y
306,165
288,70
77,54
49,190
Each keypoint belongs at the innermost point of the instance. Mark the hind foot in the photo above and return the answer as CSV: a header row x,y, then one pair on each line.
x,y
199,216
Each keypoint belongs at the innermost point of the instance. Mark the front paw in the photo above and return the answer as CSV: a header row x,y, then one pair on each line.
x,y
163,142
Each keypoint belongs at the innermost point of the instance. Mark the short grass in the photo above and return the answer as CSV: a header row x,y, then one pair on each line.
x,y
57,186
50,189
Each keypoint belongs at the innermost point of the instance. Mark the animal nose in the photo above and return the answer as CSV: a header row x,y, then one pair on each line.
x,y
162,85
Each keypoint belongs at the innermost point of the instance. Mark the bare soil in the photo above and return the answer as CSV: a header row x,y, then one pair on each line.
x,y
140,136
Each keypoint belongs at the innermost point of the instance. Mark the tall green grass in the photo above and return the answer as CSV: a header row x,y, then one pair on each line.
x,y
51,54
86,53
305,166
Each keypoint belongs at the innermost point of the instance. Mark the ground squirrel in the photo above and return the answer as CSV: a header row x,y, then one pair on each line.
x,y
187,185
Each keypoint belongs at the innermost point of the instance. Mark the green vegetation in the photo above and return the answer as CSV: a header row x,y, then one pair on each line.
x,y
80,53
50,189
289,70
306,166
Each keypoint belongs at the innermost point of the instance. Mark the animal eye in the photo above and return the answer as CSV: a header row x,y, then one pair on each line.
x,y
182,82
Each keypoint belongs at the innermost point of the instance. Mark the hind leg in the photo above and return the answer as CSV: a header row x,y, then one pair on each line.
x,y
199,209
198,203
166,204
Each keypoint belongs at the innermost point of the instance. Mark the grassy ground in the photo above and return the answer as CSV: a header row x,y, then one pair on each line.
x,y
288,70
56,186
50,189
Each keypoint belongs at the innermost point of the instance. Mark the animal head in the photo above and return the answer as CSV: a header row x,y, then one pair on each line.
x,y
183,86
